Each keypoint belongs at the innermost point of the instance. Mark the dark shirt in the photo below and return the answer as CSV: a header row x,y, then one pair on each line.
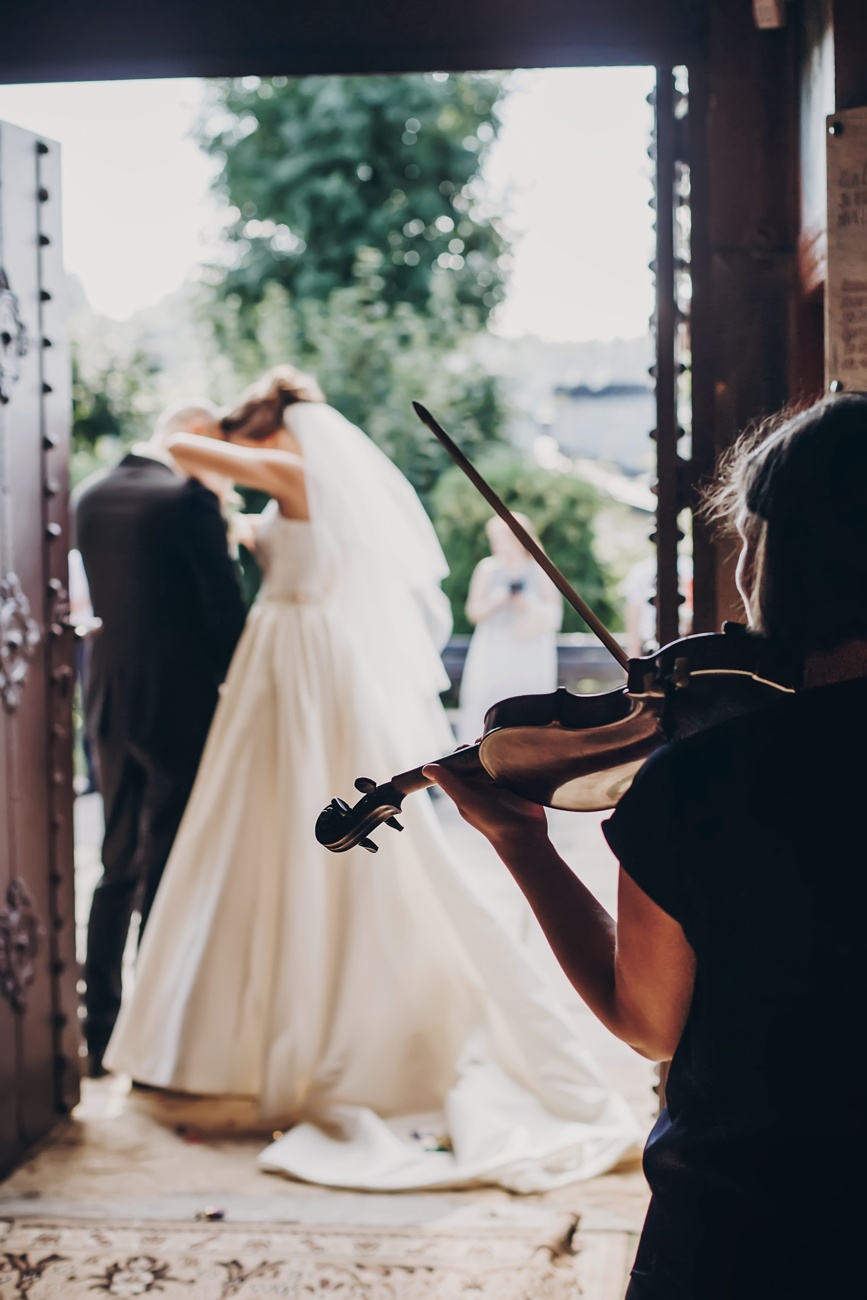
x,y
751,835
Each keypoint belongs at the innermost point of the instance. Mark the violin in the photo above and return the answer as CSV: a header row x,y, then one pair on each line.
x,y
581,752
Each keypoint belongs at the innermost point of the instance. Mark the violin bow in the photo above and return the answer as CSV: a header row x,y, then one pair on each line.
x,y
560,581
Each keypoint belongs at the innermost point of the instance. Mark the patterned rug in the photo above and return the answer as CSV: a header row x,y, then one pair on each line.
x,y
223,1261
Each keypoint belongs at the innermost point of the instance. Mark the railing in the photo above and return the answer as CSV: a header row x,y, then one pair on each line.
x,y
582,664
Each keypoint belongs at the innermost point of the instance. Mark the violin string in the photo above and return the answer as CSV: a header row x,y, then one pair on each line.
x,y
559,579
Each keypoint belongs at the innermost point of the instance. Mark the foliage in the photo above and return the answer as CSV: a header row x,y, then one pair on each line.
x,y
334,179
372,366
562,510
358,247
113,403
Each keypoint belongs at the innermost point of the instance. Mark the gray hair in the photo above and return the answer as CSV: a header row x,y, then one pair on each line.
x,y
177,419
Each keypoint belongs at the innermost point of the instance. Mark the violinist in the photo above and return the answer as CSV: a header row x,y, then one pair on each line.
x,y
738,945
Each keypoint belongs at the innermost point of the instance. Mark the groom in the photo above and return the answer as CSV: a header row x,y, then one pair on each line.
x,y
164,585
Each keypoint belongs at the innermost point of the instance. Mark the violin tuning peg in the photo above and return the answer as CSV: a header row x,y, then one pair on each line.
x,y
394,824
365,785
340,806
369,845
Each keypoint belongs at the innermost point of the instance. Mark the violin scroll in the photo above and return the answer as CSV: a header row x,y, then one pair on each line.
x,y
340,827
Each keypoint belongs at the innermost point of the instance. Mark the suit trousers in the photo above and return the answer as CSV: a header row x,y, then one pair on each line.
x,y
144,803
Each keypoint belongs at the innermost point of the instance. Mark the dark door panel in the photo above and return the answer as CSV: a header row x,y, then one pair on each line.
x,y
37,968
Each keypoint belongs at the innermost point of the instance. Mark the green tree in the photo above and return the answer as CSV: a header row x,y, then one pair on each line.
x,y
562,510
358,247
113,403
332,179
371,368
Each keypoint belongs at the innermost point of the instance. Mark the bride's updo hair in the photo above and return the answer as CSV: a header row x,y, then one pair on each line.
x,y
259,413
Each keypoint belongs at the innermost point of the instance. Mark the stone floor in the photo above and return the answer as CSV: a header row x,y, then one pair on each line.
x,y
130,1155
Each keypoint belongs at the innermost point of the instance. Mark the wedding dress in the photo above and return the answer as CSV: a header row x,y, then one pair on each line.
x,y
375,1002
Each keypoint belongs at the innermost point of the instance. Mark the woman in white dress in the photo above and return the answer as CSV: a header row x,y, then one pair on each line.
x,y
517,612
371,1002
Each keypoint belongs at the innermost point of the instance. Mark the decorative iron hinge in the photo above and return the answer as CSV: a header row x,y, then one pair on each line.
x,y
13,338
19,637
20,933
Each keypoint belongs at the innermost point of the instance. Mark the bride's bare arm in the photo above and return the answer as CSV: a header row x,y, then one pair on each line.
x,y
272,470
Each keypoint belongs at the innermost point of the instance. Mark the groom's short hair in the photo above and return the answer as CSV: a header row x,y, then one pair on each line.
x,y
177,419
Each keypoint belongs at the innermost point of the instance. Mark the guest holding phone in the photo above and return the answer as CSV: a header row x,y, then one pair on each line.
x,y
516,611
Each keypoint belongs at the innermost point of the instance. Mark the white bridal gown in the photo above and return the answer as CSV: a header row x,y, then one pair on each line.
x,y
370,999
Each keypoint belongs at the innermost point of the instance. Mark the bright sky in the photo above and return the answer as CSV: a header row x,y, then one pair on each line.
x,y
570,163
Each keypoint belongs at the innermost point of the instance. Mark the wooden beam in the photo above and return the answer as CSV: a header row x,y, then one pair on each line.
x,y
743,152
850,49
91,39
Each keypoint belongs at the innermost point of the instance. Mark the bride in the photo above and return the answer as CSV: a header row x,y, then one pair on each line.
x,y
377,1004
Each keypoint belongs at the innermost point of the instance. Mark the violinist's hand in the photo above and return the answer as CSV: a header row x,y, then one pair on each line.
x,y
504,819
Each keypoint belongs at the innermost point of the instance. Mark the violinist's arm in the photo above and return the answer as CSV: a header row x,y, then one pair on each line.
x,y
271,470
636,975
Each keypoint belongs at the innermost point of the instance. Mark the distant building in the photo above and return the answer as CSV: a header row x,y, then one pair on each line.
x,y
611,424
595,399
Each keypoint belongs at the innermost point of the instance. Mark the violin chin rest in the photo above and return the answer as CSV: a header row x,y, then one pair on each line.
x,y
576,770
596,791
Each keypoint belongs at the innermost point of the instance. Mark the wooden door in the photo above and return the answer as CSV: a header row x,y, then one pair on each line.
x,y
38,1005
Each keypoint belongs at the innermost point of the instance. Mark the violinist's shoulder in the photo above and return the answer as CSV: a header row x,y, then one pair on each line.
x,y
720,746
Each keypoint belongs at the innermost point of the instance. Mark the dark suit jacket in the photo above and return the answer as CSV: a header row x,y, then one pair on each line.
x,y
165,587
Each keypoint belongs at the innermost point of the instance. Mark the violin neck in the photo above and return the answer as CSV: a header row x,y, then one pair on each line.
x,y
463,761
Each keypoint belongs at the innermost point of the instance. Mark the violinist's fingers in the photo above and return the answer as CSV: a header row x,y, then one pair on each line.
x,y
462,789
487,807
440,775
454,784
